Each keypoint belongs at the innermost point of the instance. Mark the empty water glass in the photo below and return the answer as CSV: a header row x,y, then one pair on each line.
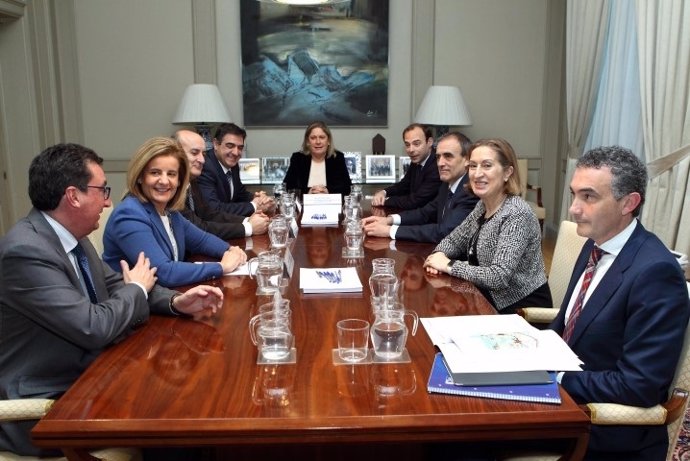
x,y
353,340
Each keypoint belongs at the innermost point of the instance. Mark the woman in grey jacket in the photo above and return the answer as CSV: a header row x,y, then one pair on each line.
x,y
498,246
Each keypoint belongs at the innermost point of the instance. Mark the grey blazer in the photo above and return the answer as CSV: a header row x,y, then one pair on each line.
x,y
49,330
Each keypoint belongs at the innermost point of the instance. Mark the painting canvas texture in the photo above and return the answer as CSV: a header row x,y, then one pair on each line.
x,y
306,63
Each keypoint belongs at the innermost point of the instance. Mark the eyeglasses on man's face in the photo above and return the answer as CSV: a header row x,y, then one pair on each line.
x,y
104,189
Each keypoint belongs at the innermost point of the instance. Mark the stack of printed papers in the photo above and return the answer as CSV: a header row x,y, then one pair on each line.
x,y
321,209
498,343
331,280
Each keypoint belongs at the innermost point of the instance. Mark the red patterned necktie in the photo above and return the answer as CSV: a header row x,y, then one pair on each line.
x,y
594,258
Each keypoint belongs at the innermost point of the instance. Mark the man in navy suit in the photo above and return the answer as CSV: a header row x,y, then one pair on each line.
x,y
225,225
420,184
629,326
220,183
435,220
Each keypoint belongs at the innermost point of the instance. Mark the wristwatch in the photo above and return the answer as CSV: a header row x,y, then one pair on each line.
x,y
450,265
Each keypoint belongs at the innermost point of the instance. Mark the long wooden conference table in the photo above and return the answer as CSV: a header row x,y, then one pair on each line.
x,y
181,382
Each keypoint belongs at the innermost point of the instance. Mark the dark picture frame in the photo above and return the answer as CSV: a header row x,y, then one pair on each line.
x,y
306,63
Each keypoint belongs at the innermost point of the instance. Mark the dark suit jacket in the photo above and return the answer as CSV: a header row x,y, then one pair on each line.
x,y
134,226
429,223
417,188
215,189
50,332
337,176
225,225
629,336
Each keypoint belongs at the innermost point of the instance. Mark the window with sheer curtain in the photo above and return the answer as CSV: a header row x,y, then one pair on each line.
x,y
627,68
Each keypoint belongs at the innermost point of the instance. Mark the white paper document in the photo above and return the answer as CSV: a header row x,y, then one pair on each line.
x,y
324,215
321,209
329,280
498,343
243,269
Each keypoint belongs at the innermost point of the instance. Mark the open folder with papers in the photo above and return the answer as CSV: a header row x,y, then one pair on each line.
x,y
499,349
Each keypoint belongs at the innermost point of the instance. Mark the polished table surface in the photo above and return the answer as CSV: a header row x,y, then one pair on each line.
x,y
180,382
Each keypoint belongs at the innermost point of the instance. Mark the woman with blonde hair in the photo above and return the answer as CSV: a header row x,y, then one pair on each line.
x,y
318,168
498,246
148,220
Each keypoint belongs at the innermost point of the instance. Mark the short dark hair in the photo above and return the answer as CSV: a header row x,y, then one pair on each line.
x,y
228,128
57,168
428,132
629,173
464,141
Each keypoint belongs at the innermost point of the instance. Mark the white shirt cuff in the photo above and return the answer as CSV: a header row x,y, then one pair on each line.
x,y
393,231
396,219
247,227
143,288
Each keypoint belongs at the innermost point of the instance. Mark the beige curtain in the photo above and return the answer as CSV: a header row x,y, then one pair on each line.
x,y
585,33
664,54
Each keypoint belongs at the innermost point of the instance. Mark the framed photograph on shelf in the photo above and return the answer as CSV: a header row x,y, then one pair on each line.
x,y
353,161
273,169
404,165
380,168
250,171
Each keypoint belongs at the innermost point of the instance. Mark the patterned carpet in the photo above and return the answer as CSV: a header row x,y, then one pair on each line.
x,y
682,452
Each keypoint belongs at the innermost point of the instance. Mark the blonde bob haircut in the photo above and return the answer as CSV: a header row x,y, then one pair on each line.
x,y
312,127
156,147
506,157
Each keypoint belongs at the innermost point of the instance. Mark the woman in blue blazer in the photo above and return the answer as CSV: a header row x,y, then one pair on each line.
x,y
148,220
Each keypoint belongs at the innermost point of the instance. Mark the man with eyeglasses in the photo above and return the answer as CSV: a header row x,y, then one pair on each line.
x,y
60,305
421,183
220,183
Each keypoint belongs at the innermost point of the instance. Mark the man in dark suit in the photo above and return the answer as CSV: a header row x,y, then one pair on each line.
x,y
60,305
439,217
220,183
628,323
225,225
421,183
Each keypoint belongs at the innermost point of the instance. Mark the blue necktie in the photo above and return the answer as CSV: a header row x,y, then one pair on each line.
x,y
449,199
83,264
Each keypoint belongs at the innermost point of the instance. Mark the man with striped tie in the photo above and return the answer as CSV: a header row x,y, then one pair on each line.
x,y
626,308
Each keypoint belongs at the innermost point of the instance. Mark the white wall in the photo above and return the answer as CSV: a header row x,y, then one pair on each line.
x,y
120,68
135,60
494,50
